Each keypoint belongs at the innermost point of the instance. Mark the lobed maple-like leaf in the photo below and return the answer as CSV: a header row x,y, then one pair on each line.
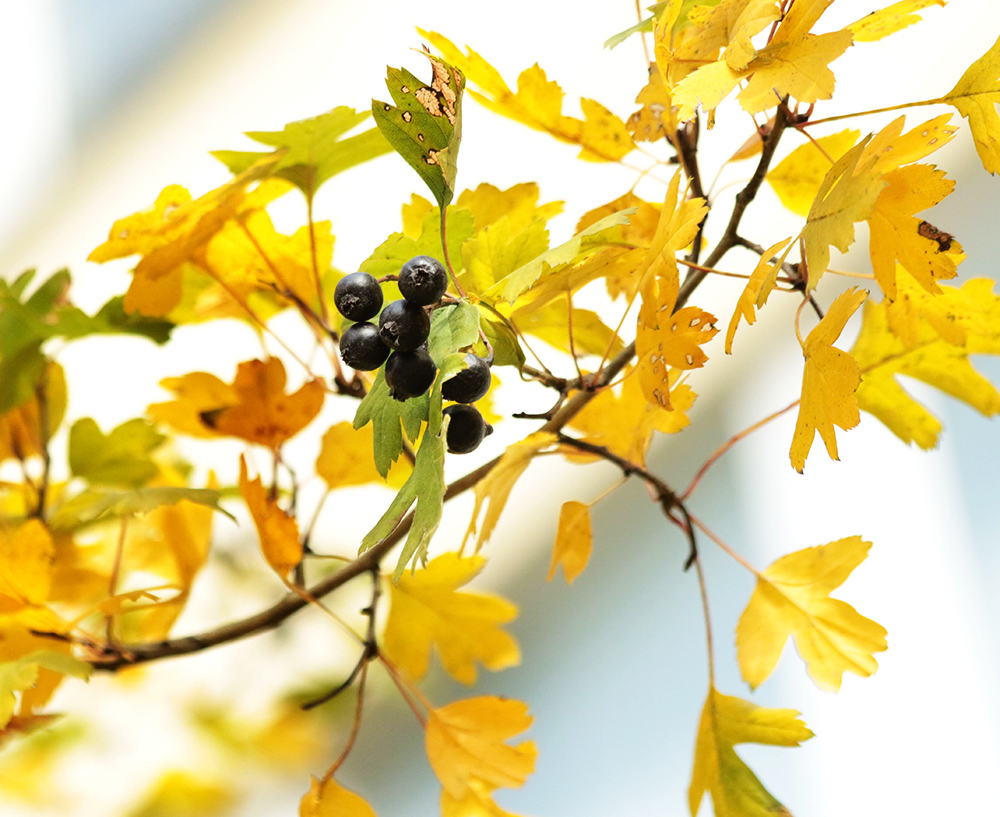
x,y
327,798
427,610
537,103
792,599
795,62
574,541
120,457
19,675
725,723
476,802
466,744
847,195
929,338
255,407
759,287
975,96
278,531
829,381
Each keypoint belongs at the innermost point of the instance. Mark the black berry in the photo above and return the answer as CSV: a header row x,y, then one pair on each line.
x,y
403,326
423,280
409,374
362,348
358,297
471,383
466,428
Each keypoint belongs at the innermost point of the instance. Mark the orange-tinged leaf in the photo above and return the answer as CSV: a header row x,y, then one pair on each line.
x,y
878,24
26,556
327,798
758,288
574,541
279,532
21,429
792,599
254,408
976,96
345,458
624,421
494,489
796,179
726,722
428,610
829,381
466,742
848,194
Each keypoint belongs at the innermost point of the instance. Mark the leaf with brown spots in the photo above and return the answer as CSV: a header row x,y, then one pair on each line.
x,y
425,124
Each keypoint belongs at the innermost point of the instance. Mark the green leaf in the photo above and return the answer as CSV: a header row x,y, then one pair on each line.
x,y
506,349
120,458
95,506
389,418
425,124
601,233
452,328
388,258
313,149
425,485
19,374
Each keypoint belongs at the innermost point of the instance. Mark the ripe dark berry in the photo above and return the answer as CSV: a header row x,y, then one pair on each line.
x,y
466,428
362,348
423,280
358,297
403,326
471,383
409,374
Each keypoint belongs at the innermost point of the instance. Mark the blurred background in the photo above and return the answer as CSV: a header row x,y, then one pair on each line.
x,y
109,101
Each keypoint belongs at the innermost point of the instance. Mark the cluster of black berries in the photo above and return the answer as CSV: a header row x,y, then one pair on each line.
x,y
400,341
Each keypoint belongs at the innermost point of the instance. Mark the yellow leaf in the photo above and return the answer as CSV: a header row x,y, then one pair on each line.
x,y
624,422
893,148
466,742
26,557
537,103
494,489
797,178
726,722
328,798
882,23
829,380
21,432
895,235
655,119
940,332
181,793
518,203
975,96
345,458
427,609
792,598
255,408
279,532
574,541
848,194
177,230
758,288
552,323
476,802
793,63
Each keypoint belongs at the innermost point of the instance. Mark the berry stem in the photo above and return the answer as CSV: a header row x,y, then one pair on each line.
x,y
447,260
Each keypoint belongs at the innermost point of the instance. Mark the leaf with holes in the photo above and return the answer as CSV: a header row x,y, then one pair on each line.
x,y
425,124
